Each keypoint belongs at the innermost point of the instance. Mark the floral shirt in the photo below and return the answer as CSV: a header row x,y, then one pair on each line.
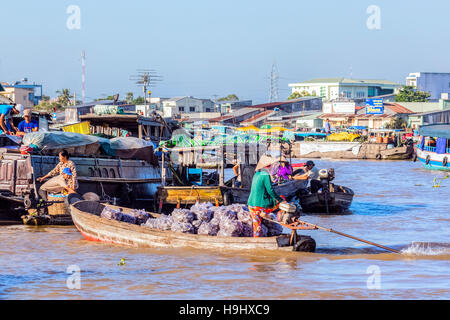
x,y
72,183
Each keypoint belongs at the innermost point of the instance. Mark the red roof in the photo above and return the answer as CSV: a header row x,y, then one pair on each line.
x,y
222,118
275,104
397,108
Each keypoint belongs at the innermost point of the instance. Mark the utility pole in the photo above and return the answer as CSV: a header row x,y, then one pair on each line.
x,y
146,78
215,103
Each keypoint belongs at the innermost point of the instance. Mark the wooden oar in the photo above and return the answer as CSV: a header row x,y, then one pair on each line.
x,y
310,226
352,237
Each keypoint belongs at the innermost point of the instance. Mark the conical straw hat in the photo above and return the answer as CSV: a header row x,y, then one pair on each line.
x,y
265,161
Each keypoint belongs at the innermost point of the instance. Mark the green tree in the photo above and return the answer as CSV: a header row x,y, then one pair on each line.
x,y
297,95
396,123
130,97
139,100
64,97
230,97
409,94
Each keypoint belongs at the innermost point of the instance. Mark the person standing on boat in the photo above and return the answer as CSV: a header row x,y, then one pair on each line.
x,y
284,171
327,127
6,123
55,183
312,174
262,199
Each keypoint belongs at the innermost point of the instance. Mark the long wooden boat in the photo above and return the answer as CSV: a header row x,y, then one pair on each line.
x,y
86,216
189,195
338,202
434,157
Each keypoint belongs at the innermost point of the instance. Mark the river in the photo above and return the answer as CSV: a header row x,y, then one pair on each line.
x,y
395,205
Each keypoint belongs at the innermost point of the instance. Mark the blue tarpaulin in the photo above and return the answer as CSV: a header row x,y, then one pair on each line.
x,y
441,144
422,143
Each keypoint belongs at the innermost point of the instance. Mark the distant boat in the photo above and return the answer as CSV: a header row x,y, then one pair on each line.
x,y
434,149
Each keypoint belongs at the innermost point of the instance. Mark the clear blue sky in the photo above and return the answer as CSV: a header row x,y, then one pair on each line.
x,y
202,48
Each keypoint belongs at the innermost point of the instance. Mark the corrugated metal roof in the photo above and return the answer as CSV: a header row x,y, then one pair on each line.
x,y
395,107
281,103
263,114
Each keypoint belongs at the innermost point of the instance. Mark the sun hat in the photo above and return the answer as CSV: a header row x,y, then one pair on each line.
x,y
67,171
27,112
265,161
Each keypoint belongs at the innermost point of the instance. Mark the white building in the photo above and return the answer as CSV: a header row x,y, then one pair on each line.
x,y
433,82
334,88
181,105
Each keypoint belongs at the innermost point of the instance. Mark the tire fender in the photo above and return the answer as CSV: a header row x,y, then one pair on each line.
x,y
445,161
378,156
427,160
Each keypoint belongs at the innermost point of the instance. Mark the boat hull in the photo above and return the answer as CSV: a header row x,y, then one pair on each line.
x,y
85,215
432,160
338,202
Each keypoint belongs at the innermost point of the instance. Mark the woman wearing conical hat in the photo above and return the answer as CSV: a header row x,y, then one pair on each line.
x,y
262,199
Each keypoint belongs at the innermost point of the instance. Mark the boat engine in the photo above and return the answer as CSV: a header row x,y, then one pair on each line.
x,y
325,177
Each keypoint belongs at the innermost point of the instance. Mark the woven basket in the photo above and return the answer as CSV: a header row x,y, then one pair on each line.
x,y
57,208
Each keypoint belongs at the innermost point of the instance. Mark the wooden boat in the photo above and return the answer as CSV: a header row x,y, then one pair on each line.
x,y
338,202
86,216
434,155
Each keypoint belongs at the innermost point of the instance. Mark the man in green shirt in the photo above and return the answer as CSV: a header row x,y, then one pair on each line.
x,y
262,199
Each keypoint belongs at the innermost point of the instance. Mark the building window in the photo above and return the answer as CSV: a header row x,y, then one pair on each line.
x,y
208,110
181,109
192,109
322,92
347,94
360,94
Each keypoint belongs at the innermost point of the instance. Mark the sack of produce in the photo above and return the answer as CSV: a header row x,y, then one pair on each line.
x,y
183,215
197,224
208,229
141,216
273,229
128,218
182,227
230,228
224,213
247,230
111,214
162,223
203,211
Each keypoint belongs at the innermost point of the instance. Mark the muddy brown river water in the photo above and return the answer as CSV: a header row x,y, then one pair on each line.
x,y
395,205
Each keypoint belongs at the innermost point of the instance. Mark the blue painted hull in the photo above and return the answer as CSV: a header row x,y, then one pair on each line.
x,y
433,165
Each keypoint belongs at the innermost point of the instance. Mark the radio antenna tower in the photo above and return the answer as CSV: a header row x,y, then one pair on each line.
x,y
83,76
274,83
146,78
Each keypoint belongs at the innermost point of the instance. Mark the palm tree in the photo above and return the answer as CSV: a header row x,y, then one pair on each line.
x,y
64,96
